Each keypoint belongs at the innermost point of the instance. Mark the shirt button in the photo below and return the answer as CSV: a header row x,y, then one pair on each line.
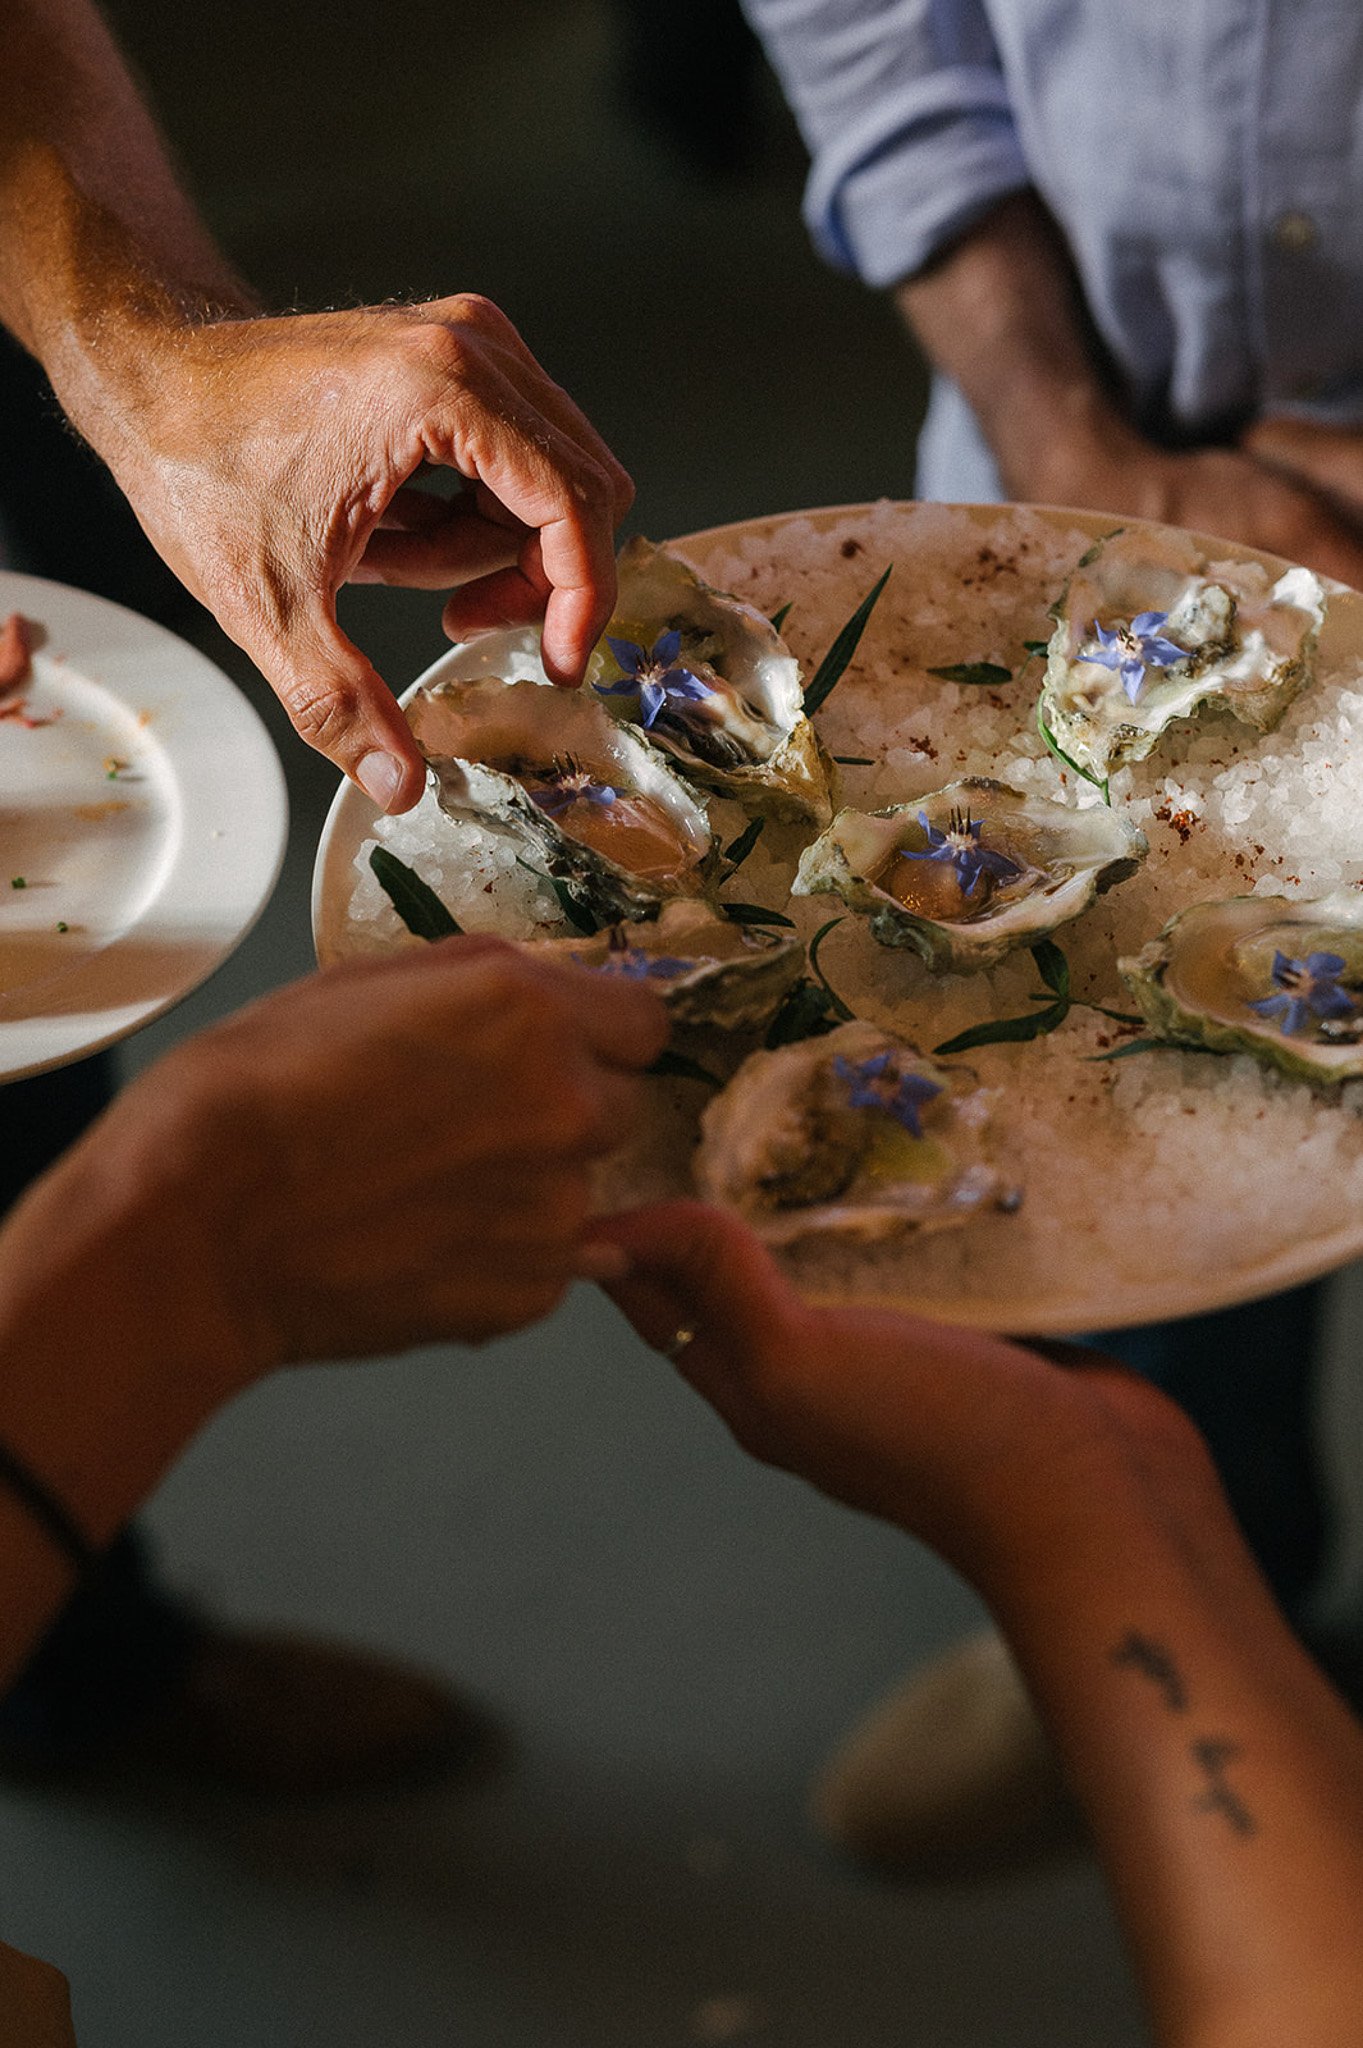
x,y
1295,232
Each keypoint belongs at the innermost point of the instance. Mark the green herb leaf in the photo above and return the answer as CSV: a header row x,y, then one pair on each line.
x,y
737,852
1091,554
778,619
755,913
1036,646
415,901
1008,1030
1049,737
805,1012
687,1070
855,760
1124,1052
840,1008
984,673
1117,1016
831,668
577,914
1052,966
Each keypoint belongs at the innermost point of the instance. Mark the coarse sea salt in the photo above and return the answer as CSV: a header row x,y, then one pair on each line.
x,y
1155,1185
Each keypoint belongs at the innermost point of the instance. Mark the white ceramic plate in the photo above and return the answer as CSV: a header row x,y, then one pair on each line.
x,y
953,565
156,869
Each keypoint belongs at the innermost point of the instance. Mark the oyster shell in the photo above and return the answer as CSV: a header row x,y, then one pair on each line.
x,y
594,805
970,872
854,1135
1248,643
1276,977
744,733
707,969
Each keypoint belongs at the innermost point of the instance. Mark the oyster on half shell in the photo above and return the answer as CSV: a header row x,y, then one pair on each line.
x,y
707,969
592,803
743,732
1278,977
855,1135
970,872
1114,682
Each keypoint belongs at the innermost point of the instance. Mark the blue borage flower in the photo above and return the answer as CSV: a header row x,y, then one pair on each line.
x,y
876,1083
632,963
1307,988
1134,648
960,847
657,676
570,783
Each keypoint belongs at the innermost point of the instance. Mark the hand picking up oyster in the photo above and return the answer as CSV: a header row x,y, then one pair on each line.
x,y
594,805
712,682
856,1135
707,969
970,872
1147,632
1279,978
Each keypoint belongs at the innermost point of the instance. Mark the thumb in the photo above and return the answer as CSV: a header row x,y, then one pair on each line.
x,y
691,1267
340,704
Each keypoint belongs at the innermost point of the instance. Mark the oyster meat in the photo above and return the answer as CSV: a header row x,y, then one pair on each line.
x,y
970,872
855,1135
707,969
715,685
1149,631
594,805
1278,977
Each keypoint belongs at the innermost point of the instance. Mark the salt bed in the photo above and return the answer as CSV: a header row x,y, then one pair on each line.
x,y
1155,1186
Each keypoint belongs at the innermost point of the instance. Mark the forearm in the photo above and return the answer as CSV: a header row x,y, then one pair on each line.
x,y
999,313
1222,1776
96,237
115,1348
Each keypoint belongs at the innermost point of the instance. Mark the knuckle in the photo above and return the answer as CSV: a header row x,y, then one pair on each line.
x,y
323,717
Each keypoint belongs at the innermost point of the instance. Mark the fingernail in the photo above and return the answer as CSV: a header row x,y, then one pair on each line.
x,y
604,1263
380,777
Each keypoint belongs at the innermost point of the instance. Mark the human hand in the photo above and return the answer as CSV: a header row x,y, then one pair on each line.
x,y
269,459
389,1152
1326,459
985,1449
1243,494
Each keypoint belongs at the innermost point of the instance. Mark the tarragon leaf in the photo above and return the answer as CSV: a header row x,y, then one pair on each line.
x,y
981,672
687,1070
577,914
1049,737
1035,646
805,1012
1008,1030
778,619
415,901
831,668
1124,1052
1091,554
738,850
755,913
1052,966
855,760
840,1008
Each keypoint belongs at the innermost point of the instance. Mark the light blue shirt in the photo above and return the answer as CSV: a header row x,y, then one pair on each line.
x,y
1203,157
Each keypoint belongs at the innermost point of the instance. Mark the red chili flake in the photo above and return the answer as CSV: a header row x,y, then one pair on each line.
x,y
21,715
850,548
16,652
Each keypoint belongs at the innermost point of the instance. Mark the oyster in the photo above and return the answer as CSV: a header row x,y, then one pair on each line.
x,y
1277,977
715,685
971,871
855,1135
1149,631
707,969
594,805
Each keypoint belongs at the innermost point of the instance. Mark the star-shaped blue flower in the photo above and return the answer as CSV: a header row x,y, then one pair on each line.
x,y
960,847
658,678
566,788
1132,649
1307,988
876,1083
632,963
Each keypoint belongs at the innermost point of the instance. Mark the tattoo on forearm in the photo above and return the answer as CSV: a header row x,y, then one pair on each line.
x,y
1138,1653
1212,1754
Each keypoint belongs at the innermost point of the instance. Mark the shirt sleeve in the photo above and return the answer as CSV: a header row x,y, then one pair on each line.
x,y
905,111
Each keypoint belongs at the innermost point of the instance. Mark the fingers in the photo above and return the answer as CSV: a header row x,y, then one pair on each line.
x,y
694,1267
340,704
451,543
